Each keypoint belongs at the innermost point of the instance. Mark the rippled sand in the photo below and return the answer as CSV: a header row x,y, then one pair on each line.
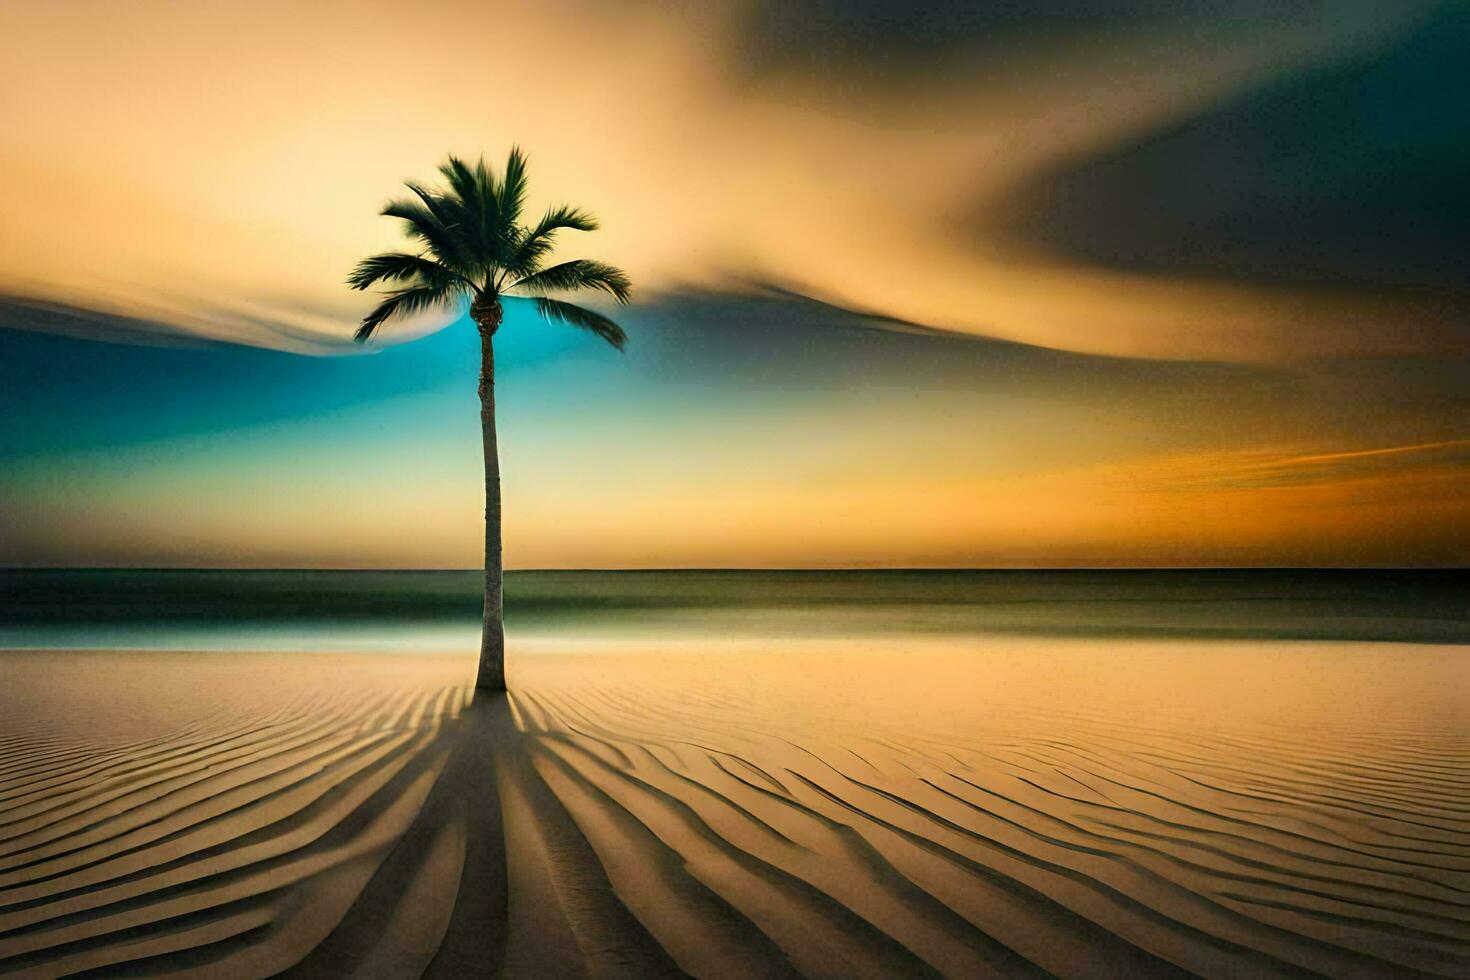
x,y
828,808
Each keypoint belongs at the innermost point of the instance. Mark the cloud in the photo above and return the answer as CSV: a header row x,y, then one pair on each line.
x,y
754,331
778,337
154,319
884,37
1350,174
837,158
1364,470
69,320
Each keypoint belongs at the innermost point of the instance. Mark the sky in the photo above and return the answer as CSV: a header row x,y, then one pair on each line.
x,y
1083,283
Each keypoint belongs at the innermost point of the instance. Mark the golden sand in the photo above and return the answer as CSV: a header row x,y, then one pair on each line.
x,y
825,808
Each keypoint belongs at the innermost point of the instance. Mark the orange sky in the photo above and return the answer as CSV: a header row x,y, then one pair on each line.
x,y
218,167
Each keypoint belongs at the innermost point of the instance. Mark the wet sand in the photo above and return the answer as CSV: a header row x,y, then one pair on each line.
x,y
823,807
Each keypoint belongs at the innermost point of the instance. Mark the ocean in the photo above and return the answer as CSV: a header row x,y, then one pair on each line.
x,y
439,611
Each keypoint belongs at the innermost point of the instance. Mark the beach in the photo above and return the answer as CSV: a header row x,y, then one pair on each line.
x,y
664,799
735,489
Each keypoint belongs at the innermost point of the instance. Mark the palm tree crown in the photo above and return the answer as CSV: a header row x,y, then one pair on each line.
x,y
473,247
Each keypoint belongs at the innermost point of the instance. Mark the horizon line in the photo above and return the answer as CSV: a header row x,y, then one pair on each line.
x,y
751,568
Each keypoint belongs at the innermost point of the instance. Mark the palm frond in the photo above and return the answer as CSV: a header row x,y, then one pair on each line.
x,y
513,183
578,274
397,267
483,209
490,204
565,216
468,206
457,219
414,299
582,318
421,224
536,243
475,186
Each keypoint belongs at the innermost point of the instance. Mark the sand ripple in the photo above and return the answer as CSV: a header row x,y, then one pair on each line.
x,y
231,846
1053,837
672,816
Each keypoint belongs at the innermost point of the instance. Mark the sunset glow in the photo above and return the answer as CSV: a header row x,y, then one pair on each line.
x,y
1101,392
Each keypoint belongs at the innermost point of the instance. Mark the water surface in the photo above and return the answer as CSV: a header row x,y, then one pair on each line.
x,y
441,609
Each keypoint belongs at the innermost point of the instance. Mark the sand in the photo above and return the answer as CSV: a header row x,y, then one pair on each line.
x,y
997,807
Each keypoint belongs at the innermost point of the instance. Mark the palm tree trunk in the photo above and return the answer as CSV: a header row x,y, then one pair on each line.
x,y
491,676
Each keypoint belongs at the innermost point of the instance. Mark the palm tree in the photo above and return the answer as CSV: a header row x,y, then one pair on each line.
x,y
472,246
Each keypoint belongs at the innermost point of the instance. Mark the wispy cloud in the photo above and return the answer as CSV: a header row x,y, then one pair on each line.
x,y
832,144
1360,470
